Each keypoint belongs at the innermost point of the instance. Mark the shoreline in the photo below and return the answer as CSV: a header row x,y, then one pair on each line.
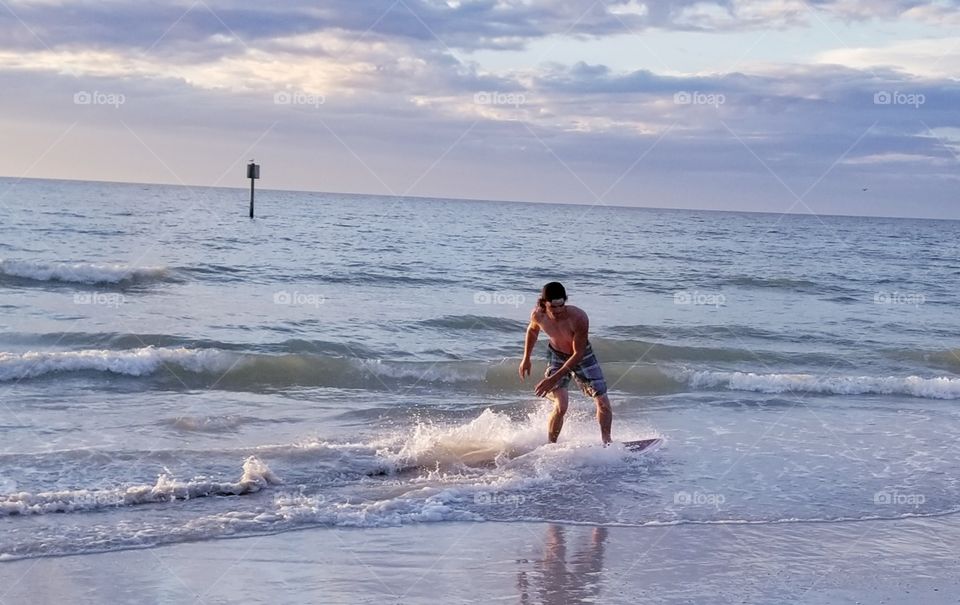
x,y
888,561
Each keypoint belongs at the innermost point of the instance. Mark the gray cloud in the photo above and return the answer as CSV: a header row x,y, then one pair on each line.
x,y
798,121
219,27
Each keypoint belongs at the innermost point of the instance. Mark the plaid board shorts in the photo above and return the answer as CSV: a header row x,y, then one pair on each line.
x,y
587,373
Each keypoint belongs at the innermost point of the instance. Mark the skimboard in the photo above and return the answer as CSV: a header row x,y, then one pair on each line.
x,y
642,445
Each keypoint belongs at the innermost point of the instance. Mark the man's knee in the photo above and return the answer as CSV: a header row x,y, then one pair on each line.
x,y
603,404
559,402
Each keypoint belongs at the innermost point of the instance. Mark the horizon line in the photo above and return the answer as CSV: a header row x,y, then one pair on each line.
x,y
18,179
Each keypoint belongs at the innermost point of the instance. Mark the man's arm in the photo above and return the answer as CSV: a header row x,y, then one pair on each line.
x,y
533,331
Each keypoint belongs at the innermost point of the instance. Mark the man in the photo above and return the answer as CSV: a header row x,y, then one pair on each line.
x,y
568,353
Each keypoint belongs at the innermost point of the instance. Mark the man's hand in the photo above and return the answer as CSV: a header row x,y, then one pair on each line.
x,y
547,385
524,368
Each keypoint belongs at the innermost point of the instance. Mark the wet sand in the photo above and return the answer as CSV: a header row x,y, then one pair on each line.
x,y
856,562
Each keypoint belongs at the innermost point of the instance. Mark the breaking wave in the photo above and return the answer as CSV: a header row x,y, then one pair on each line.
x,y
256,476
82,273
239,370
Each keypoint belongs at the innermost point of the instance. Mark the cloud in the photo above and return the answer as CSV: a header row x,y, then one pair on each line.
x,y
929,57
798,119
898,158
584,78
205,30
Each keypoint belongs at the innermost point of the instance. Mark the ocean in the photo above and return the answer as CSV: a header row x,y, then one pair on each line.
x,y
172,371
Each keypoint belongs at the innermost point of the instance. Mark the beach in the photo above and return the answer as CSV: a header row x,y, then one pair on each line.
x,y
323,404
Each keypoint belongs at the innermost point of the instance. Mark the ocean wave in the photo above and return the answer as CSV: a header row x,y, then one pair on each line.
x,y
240,370
236,370
940,387
82,273
256,476
947,359
288,511
119,341
608,349
132,362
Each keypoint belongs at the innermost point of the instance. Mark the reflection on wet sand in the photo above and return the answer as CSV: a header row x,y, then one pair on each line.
x,y
560,577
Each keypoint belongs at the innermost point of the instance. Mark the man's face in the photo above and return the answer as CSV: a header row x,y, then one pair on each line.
x,y
556,308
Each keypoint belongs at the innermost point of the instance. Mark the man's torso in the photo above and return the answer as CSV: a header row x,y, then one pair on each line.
x,y
560,331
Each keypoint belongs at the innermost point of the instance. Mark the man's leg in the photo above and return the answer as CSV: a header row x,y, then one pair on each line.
x,y
604,417
559,397
590,378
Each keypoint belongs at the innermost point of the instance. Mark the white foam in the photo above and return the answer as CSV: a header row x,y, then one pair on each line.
x,y
256,476
941,387
484,439
130,362
381,513
83,273
497,454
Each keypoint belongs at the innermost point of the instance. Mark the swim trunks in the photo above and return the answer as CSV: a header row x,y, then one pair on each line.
x,y
587,373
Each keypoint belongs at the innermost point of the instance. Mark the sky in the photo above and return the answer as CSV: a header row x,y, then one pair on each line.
x,y
804,106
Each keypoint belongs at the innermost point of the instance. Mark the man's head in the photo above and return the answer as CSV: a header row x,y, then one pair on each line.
x,y
553,298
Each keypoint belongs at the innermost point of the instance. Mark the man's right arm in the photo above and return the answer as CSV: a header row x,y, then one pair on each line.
x,y
533,332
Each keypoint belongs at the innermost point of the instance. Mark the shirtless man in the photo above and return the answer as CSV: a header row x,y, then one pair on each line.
x,y
568,353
